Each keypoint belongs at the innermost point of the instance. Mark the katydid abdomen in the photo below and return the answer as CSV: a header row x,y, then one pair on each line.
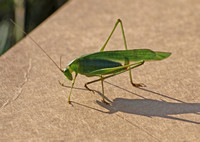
x,y
87,66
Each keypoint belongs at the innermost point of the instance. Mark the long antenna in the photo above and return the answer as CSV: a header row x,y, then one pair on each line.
x,y
36,44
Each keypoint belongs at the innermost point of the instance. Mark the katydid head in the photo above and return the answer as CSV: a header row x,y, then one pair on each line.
x,y
67,73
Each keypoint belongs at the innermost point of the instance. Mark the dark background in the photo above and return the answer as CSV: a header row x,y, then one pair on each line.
x,y
27,14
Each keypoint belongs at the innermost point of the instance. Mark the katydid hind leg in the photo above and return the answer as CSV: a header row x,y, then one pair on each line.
x,y
135,84
123,34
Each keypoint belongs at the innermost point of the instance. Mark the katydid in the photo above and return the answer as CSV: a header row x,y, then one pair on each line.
x,y
106,64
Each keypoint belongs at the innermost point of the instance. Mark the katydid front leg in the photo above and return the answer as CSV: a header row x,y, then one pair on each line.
x,y
72,88
62,84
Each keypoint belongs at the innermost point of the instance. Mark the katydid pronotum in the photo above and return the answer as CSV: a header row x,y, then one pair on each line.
x,y
106,64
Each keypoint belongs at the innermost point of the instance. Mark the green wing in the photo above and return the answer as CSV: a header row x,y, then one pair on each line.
x,y
161,55
94,63
131,55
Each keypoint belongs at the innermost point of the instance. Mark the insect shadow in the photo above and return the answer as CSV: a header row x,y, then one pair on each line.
x,y
152,108
146,107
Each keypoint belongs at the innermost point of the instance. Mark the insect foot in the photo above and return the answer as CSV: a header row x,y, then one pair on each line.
x,y
138,85
62,84
69,102
105,102
89,88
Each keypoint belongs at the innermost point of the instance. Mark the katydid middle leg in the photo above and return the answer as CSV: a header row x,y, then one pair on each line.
x,y
131,66
101,78
88,88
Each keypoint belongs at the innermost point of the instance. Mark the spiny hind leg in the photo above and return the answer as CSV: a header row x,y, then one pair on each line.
x,y
124,38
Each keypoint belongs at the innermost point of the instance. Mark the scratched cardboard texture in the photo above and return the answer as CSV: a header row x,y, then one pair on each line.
x,y
33,106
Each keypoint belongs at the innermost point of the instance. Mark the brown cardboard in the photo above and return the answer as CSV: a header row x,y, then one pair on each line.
x,y
33,106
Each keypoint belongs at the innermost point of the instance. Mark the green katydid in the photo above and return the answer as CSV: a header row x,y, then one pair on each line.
x,y
106,64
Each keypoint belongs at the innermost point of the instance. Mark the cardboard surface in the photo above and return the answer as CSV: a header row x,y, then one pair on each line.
x,y
33,106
